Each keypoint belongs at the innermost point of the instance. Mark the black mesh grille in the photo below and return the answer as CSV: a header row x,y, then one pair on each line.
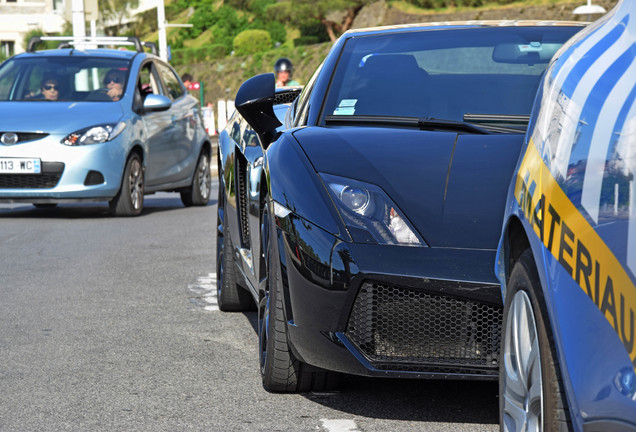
x,y
286,96
241,196
49,178
399,328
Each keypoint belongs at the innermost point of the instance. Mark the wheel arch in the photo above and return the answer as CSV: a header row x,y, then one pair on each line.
x,y
207,147
515,242
139,150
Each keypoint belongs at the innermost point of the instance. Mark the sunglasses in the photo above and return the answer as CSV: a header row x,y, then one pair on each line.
x,y
50,87
115,80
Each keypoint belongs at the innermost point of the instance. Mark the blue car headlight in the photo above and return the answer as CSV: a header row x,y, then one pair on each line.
x,y
94,134
369,214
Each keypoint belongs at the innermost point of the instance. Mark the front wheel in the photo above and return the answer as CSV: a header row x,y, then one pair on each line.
x,y
198,194
280,370
530,388
129,201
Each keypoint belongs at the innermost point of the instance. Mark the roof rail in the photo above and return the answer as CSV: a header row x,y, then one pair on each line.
x,y
88,42
152,46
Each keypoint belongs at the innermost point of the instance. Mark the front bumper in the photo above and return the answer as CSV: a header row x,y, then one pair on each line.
x,y
380,310
78,173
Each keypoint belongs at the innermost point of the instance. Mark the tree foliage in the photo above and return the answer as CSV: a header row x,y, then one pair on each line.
x,y
317,20
224,22
252,42
116,10
335,15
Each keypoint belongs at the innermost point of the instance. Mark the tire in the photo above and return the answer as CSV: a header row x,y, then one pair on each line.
x,y
45,205
230,296
129,201
280,370
199,193
530,386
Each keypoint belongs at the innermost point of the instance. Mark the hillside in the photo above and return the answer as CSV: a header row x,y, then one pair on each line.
x,y
222,78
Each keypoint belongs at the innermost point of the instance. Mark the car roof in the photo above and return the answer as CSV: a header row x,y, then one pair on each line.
x,y
99,52
443,25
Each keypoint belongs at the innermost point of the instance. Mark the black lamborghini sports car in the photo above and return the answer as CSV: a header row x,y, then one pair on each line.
x,y
361,215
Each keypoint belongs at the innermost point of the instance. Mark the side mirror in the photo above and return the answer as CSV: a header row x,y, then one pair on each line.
x,y
255,102
154,102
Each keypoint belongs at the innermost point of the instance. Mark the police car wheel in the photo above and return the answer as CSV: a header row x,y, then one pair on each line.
x,y
530,387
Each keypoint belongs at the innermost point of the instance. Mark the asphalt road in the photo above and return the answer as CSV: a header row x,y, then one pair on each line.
x,y
110,324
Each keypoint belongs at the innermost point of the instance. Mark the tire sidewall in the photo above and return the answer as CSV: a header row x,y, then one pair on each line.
x,y
271,315
220,240
122,204
524,277
200,196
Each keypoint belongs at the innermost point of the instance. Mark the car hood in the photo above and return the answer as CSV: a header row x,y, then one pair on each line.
x,y
56,117
452,187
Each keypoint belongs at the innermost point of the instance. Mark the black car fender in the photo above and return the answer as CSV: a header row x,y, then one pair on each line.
x,y
294,184
310,236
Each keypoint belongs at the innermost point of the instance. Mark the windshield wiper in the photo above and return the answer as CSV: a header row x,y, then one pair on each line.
x,y
500,122
424,123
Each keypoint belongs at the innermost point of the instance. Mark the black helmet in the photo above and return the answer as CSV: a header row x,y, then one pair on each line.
x,y
284,64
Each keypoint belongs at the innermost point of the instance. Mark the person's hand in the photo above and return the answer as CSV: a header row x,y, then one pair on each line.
x,y
114,93
280,83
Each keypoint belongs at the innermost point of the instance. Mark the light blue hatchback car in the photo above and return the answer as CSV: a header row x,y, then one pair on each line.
x,y
83,123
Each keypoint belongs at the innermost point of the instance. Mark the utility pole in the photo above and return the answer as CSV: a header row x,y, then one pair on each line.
x,y
161,25
589,9
78,20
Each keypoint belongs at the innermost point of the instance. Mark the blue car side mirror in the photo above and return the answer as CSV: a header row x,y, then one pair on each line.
x,y
154,102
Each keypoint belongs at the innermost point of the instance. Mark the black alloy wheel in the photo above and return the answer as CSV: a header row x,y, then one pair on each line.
x,y
280,370
230,296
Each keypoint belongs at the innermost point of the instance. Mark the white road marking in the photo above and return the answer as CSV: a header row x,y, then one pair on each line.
x,y
341,425
205,290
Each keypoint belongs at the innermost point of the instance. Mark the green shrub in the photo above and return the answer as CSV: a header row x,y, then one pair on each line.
x,y
215,51
314,28
251,42
306,40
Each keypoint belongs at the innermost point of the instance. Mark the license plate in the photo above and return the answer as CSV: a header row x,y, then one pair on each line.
x,y
20,166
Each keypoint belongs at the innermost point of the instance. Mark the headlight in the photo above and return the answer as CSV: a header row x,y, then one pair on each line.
x,y
369,214
94,134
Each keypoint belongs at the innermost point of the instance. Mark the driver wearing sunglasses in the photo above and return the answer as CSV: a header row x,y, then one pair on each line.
x,y
114,83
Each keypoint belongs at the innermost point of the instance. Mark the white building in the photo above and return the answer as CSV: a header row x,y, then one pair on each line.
x,y
19,17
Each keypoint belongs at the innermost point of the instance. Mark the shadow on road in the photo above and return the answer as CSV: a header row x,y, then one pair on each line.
x,y
422,400
152,204
415,400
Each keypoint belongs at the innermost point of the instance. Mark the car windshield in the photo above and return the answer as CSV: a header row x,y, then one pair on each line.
x,y
456,74
61,79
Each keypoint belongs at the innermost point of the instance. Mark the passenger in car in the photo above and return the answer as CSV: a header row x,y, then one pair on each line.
x,y
49,89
